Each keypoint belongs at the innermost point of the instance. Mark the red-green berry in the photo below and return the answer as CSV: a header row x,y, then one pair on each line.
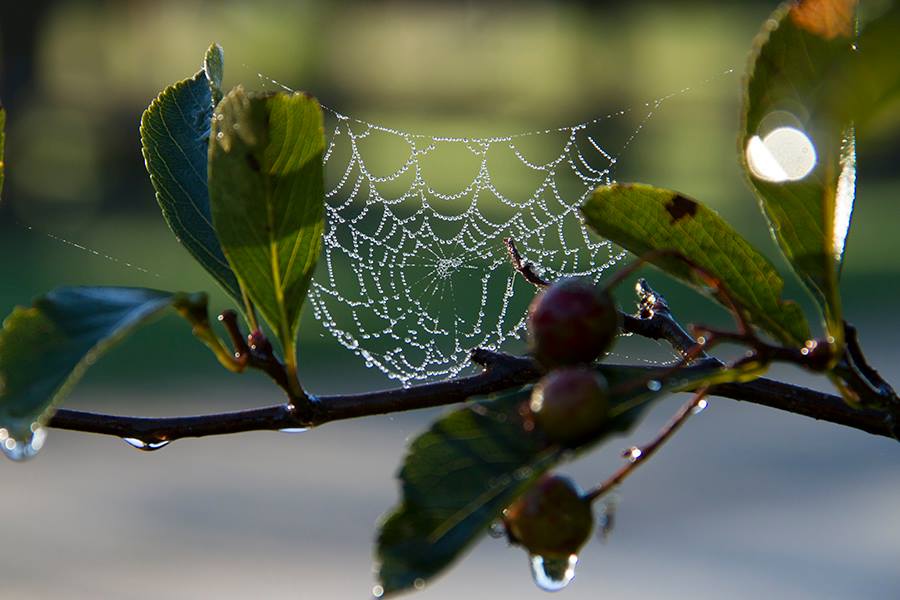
x,y
570,404
551,519
572,322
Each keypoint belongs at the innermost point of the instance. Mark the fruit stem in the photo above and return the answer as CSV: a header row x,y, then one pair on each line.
x,y
637,455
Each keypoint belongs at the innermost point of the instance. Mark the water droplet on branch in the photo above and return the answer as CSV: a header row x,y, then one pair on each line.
x,y
22,449
146,446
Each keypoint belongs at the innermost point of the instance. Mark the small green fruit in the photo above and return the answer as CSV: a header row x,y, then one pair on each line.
x,y
551,519
572,322
570,404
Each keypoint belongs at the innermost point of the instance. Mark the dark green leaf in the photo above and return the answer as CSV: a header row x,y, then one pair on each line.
x,y
268,199
471,464
798,143
46,348
642,219
175,138
2,144
870,82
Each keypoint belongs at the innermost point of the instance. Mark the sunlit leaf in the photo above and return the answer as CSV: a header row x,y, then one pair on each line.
x,y
472,463
643,219
47,347
268,199
175,132
798,142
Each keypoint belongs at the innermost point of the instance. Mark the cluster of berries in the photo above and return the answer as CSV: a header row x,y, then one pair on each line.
x,y
571,324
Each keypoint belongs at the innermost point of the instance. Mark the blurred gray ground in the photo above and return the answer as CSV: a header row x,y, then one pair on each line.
x,y
745,503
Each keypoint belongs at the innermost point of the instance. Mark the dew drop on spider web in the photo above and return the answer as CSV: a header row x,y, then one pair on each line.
x,y
414,273
19,449
553,574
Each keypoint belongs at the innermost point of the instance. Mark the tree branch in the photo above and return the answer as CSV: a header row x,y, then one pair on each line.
x,y
502,373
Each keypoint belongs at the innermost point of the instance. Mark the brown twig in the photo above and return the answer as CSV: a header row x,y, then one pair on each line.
x,y
863,378
503,373
637,455
525,269
655,321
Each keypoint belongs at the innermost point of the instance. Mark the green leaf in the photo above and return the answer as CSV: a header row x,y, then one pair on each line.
x,y
267,190
2,144
798,141
868,89
46,348
175,139
643,219
472,463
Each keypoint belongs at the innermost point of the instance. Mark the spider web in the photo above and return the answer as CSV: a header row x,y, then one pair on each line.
x,y
414,273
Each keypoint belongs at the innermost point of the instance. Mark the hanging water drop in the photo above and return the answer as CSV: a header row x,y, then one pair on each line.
x,y
293,430
553,574
654,385
633,454
701,406
22,449
497,530
146,446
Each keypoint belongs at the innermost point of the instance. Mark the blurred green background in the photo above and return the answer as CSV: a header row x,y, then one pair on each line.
x,y
267,517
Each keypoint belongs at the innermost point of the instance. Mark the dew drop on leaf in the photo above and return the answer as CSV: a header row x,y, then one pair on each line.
x,y
144,445
553,574
22,449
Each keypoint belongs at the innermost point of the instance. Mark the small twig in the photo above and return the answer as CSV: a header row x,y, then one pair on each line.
x,y
525,269
858,360
710,280
637,455
229,321
655,321
256,352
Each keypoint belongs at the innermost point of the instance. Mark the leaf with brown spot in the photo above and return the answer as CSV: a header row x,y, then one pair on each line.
x,y
643,219
680,207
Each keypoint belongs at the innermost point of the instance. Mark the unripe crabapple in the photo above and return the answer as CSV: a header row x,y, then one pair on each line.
x,y
551,519
570,404
572,322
